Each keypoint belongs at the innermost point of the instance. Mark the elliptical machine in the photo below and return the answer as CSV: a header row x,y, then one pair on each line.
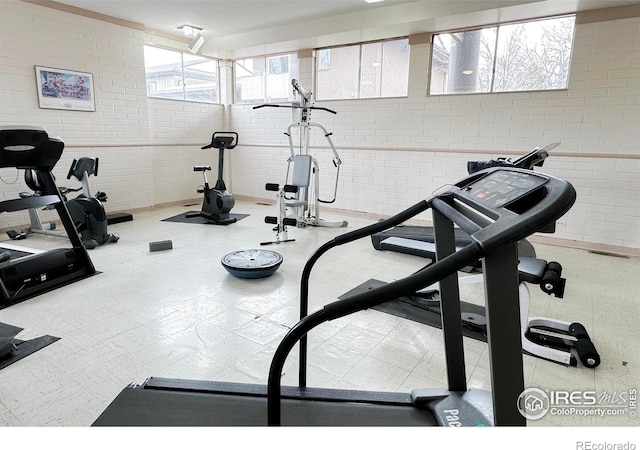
x,y
87,211
217,201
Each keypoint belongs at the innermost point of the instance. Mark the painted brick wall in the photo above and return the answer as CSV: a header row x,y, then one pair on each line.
x,y
145,145
399,150
395,151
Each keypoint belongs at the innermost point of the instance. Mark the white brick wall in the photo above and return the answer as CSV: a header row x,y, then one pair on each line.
x,y
395,151
598,114
146,146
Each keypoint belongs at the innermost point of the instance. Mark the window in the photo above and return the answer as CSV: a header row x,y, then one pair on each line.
x,y
373,70
527,56
265,80
181,76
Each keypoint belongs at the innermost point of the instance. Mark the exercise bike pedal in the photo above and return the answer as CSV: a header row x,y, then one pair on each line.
x,y
271,219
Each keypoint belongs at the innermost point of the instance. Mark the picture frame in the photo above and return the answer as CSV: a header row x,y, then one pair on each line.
x,y
65,89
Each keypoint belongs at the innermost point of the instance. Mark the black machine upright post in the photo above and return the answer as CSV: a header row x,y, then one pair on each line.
x,y
67,221
505,342
450,305
220,182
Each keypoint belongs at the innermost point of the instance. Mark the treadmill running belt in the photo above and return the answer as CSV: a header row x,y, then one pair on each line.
x,y
150,407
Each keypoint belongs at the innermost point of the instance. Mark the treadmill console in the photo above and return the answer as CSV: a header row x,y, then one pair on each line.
x,y
502,187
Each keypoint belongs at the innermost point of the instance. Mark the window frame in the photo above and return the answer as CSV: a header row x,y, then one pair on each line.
x,y
182,83
291,64
496,51
319,60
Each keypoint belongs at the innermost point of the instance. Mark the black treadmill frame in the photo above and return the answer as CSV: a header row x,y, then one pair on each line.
x,y
32,148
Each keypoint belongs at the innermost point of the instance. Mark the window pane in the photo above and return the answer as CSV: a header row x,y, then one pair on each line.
x,y
250,79
340,80
374,70
282,69
371,70
164,73
200,79
462,62
265,79
395,68
324,58
534,55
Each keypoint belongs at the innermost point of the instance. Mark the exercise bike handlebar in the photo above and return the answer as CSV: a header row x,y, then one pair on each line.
x,y
83,168
222,139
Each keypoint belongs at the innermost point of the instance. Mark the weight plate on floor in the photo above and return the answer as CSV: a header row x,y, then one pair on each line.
x,y
252,263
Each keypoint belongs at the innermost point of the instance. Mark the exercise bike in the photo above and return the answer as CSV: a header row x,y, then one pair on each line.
x,y
86,210
217,201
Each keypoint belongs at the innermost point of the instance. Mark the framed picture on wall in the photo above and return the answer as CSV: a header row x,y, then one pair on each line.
x,y
65,89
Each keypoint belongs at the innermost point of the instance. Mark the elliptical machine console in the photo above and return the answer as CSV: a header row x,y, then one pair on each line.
x,y
217,201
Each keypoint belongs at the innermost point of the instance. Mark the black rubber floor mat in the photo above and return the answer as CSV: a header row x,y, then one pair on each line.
x,y
23,348
182,218
419,310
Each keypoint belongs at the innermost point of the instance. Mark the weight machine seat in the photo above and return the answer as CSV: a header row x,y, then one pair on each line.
x,y
294,204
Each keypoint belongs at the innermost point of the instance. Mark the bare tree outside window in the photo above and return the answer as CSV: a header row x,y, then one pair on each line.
x,y
516,57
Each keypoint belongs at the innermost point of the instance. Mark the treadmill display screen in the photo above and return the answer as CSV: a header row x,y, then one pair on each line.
x,y
503,186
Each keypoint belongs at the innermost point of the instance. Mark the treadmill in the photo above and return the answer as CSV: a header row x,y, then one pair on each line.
x,y
25,273
497,207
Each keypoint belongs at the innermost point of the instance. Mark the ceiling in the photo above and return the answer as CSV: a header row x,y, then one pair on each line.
x,y
242,28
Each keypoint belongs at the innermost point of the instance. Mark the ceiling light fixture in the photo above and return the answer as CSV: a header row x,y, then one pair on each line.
x,y
196,43
373,1
190,30
194,32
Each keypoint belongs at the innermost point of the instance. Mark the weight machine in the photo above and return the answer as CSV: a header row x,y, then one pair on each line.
x,y
304,188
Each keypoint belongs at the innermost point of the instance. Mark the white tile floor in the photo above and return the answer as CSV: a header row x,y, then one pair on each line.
x,y
178,313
